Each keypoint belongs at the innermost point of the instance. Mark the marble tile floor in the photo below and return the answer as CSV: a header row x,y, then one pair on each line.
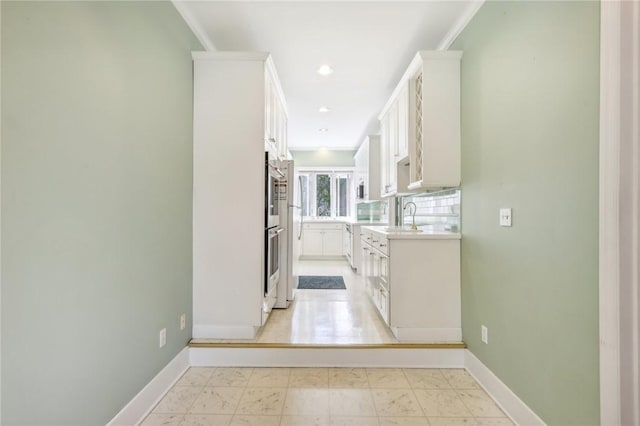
x,y
326,396
325,316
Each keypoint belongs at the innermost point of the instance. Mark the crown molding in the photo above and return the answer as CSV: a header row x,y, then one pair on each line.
x,y
460,24
193,24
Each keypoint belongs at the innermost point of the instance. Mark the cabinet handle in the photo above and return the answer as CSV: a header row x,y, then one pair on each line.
x,y
374,241
383,245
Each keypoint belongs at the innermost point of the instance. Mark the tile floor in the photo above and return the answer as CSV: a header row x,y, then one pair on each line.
x,y
326,396
328,316
325,316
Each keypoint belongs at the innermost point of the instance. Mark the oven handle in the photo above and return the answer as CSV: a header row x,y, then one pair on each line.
x,y
277,171
276,232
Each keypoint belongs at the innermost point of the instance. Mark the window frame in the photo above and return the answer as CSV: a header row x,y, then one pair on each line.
x,y
335,173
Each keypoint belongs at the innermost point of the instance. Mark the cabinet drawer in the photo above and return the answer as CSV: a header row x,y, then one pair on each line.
x,y
381,243
366,237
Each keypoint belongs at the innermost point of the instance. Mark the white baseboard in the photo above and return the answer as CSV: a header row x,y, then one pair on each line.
x,y
427,335
513,406
141,404
203,331
329,357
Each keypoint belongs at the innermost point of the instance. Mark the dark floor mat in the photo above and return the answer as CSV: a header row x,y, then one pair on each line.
x,y
314,282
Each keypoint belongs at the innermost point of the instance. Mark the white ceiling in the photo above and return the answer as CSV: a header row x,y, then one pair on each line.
x,y
369,44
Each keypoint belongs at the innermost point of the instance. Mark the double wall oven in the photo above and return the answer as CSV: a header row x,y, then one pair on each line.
x,y
273,231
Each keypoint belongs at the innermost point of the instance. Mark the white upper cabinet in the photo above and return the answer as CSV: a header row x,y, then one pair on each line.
x,y
275,111
367,169
420,126
403,123
385,153
394,143
434,120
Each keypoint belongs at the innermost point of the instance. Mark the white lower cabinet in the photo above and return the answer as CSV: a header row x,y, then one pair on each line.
x,y
322,240
332,242
312,242
415,285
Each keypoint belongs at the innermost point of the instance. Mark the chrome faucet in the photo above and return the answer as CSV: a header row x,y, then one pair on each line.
x,y
413,215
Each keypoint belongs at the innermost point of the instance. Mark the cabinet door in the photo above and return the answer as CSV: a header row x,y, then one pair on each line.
x,y
282,132
392,154
384,155
345,244
312,242
274,113
375,266
268,94
332,242
384,271
285,135
383,304
393,129
365,266
403,122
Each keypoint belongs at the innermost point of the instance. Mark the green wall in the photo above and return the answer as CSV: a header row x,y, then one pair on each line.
x,y
96,204
530,112
323,158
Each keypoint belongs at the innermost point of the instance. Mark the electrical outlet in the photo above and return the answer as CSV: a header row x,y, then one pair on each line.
x,y
505,217
484,334
183,321
163,337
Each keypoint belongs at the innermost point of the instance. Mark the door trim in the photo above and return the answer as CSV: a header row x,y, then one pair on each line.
x,y
619,207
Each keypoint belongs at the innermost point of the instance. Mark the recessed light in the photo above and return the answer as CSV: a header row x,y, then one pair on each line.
x,y
324,129
323,149
323,109
325,70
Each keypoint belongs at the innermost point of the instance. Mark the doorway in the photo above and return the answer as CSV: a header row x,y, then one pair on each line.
x,y
324,208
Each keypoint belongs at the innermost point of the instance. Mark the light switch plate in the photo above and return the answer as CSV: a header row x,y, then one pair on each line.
x,y
163,337
484,331
505,217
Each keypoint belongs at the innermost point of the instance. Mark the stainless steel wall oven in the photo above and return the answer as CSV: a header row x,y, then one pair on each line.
x,y
272,259
273,182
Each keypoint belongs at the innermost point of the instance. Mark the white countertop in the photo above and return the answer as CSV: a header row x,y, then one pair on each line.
x,y
316,220
345,220
426,234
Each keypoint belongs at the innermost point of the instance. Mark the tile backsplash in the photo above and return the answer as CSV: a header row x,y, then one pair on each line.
x,y
439,211
372,210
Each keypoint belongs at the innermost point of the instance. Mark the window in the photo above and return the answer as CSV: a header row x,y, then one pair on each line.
x,y
325,194
304,195
342,194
